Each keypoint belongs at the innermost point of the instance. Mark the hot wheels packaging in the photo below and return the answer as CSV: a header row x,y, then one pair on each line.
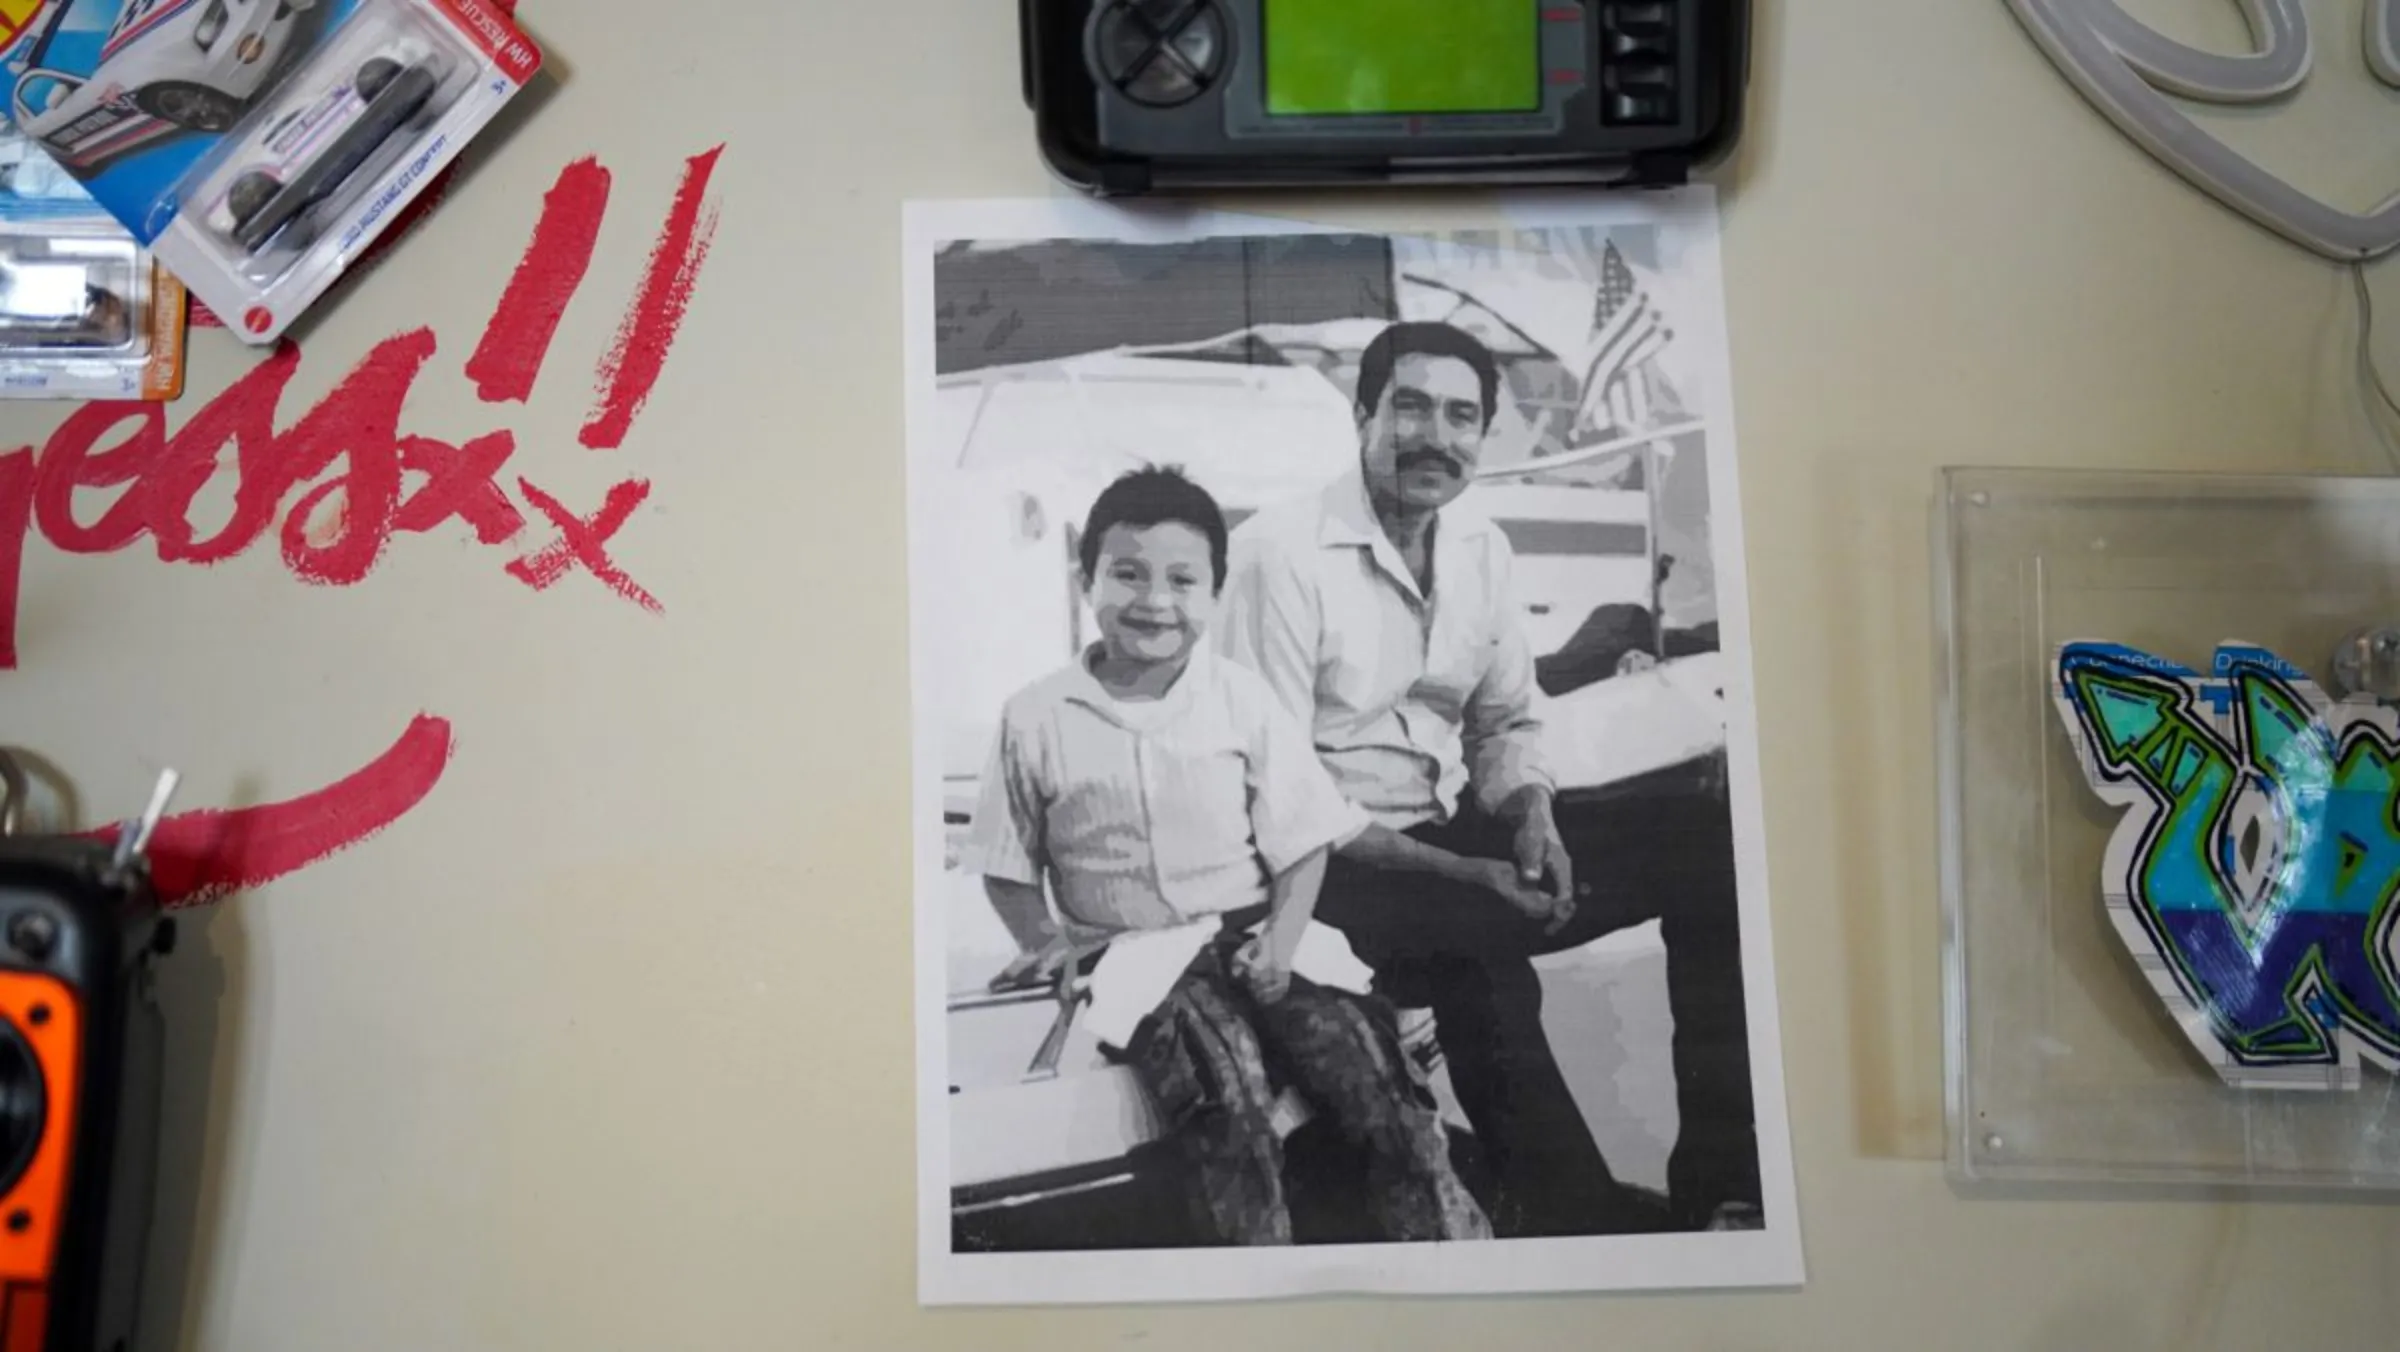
x,y
85,311
260,145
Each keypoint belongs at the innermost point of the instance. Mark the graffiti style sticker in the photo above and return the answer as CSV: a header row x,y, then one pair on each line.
x,y
2254,870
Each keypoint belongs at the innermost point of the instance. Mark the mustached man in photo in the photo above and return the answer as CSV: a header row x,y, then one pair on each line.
x,y
1380,612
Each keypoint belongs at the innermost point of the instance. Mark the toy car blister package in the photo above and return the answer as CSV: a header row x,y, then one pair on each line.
x,y
259,146
85,311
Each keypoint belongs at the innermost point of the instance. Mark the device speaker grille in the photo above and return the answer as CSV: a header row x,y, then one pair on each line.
x,y
22,1105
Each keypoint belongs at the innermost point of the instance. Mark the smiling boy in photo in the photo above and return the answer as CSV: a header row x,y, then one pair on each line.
x,y
1154,786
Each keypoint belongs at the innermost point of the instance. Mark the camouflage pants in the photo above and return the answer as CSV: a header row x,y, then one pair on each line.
x,y
1214,1058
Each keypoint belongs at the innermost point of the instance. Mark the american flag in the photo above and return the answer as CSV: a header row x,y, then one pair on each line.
x,y
1628,332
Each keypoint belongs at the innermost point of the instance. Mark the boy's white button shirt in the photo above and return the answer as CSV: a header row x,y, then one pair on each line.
x,y
1151,814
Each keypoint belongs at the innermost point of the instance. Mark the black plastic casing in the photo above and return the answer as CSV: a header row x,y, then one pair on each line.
x,y
1060,90
109,933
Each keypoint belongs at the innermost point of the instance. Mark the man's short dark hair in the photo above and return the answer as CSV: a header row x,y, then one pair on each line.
x,y
1154,497
1426,338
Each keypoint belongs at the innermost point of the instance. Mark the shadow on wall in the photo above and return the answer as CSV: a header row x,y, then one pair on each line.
x,y
199,986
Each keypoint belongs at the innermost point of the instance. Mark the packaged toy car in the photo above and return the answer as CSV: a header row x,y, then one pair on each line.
x,y
260,145
85,311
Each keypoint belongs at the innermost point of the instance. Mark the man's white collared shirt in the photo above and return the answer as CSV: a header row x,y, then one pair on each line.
x,y
1410,698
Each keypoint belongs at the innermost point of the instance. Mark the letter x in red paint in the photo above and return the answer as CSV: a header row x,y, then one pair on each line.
x,y
585,542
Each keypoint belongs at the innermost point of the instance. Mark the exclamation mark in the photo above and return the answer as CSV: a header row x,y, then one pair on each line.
x,y
632,364
517,339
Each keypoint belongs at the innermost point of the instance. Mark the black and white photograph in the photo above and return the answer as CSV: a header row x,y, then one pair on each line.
x,y
1339,853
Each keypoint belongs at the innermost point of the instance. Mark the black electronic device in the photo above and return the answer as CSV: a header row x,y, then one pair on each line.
x,y
81,1046
1132,97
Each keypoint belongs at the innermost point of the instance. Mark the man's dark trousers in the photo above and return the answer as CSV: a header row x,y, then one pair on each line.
x,y
1467,955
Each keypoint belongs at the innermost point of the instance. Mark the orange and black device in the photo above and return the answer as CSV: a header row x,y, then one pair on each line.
x,y
81,1038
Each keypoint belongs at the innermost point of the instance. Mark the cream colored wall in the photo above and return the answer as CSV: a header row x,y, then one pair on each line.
x,y
607,1044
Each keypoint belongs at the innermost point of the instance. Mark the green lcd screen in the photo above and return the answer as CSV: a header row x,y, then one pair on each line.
x,y
1329,57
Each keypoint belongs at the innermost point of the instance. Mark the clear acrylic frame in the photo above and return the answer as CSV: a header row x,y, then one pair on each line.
x,y
2062,1066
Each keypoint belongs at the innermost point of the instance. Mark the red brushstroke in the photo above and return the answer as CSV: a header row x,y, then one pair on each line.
x,y
459,482
632,364
198,857
16,521
585,542
517,339
69,462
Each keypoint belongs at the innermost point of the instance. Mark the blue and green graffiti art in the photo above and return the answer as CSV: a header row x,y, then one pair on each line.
x,y
2253,873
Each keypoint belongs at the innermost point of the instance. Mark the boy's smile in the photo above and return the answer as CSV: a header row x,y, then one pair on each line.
x,y
1152,593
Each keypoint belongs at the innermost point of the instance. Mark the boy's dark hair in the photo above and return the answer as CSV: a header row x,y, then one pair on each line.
x,y
1152,497
1427,338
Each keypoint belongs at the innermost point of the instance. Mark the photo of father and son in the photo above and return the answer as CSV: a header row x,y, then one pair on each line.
x,y
1326,720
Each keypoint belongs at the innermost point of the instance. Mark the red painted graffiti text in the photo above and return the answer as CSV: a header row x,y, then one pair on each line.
x,y
340,484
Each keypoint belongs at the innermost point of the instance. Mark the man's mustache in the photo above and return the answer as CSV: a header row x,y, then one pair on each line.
x,y
1427,456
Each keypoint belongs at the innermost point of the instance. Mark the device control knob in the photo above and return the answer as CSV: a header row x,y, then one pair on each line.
x,y
1160,52
1200,41
1126,42
33,933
